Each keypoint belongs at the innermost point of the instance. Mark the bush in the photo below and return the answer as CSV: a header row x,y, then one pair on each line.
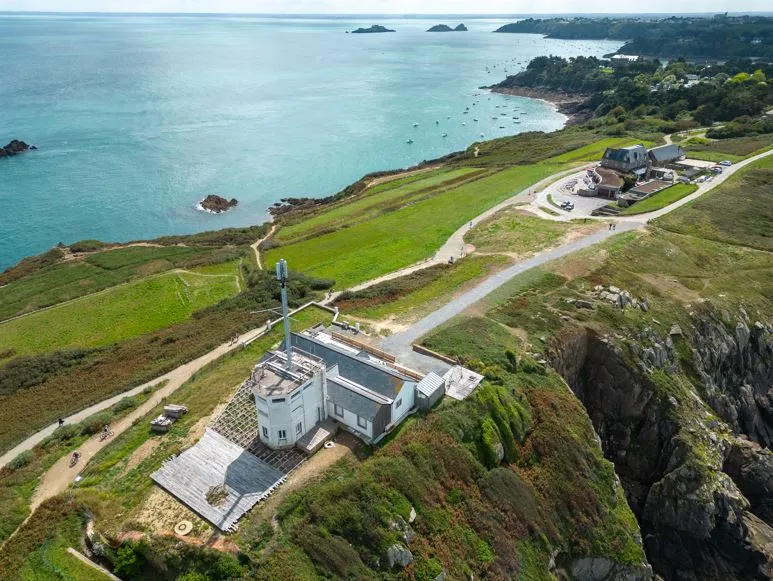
x,y
87,245
21,460
127,562
93,424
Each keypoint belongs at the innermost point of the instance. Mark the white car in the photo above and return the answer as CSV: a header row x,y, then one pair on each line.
x,y
567,205
726,163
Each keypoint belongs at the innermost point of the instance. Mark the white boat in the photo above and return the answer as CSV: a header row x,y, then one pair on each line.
x,y
415,124
445,135
409,141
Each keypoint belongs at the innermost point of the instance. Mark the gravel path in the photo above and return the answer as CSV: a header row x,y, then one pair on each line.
x,y
400,343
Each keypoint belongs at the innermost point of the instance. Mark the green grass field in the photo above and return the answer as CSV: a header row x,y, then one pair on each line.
x,y
373,202
514,232
733,150
421,292
73,279
397,239
661,199
739,211
117,314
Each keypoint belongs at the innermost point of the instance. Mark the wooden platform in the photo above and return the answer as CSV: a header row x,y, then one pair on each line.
x,y
213,461
316,437
461,382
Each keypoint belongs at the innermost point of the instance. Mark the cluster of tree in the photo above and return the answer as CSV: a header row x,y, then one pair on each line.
x,y
677,91
697,37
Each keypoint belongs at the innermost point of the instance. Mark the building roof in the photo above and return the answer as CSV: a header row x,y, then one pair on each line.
x,y
356,402
625,154
431,383
361,370
271,378
666,152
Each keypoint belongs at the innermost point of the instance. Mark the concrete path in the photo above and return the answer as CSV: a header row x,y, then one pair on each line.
x,y
400,343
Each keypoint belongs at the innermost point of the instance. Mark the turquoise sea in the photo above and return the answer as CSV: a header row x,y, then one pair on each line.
x,y
139,117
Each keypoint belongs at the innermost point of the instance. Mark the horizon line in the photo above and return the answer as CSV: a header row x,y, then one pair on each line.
x,y
388,14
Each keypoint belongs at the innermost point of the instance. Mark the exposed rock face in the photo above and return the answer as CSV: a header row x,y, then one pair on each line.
x,y
373,29
460,28
600,569
15,147
699,491
398,555
216,204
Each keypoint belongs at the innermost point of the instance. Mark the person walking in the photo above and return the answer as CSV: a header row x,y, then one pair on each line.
x,y
61,422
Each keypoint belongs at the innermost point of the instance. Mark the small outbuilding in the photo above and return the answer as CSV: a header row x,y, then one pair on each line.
x,y
430,390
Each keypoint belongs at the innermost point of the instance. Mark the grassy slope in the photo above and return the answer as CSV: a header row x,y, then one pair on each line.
x,y
370,205
419,293
69,280
405,236
740,211
661,199
118,314
733,150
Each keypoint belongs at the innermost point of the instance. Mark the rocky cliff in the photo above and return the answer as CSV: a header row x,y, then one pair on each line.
x,y
680,413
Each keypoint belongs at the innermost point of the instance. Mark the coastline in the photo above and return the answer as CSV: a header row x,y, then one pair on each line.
x,y
568,104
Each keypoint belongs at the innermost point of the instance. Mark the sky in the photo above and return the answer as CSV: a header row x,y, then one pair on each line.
x,y
383,6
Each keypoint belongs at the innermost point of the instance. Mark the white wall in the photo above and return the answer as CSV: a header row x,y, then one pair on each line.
x,y
286,415
350,419
407,395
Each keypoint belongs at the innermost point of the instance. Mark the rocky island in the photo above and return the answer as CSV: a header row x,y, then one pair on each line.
x,y
215,204
14,147
373,29
446,28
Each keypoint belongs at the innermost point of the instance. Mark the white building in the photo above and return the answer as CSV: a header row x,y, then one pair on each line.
x,y
331,379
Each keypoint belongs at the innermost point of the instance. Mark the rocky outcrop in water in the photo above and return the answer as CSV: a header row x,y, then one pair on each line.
x,y
446,28
376,28
657,399
15,147
217,204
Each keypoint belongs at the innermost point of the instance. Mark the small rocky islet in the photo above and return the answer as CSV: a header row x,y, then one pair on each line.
x,y
15,147
375,29
215,204
446,28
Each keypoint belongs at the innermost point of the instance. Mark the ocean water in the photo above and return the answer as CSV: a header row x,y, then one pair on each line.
x,y
139,117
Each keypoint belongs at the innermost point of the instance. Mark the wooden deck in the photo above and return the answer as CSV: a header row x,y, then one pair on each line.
x,y
461,382
215,461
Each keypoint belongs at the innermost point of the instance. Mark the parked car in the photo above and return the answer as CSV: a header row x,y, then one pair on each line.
x,y
726,163
716,169
567,205
683,179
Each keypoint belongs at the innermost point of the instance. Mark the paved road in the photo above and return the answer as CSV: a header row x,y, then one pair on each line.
x,y
400,343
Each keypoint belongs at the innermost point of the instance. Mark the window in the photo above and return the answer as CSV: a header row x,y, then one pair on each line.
x,y
299,428
282,434
279,400
362,422
296,394
398,403
265,432
339,411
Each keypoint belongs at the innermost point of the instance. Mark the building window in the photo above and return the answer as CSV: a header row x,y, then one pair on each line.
x,y
339,411
299,428
296,394
362,422
265,432
282,434
278,400
398,403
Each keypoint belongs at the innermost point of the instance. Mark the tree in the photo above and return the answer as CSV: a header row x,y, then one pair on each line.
x,y
705,114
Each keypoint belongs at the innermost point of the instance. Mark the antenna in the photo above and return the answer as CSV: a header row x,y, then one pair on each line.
x,y
281,276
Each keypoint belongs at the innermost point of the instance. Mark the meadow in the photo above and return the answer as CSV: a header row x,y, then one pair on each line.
x,y
68,280
734,149
661,199
406,235
739,211
117,314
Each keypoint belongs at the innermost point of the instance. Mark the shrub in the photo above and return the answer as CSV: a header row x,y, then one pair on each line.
x,y
127,562
93,424
87,245
21,460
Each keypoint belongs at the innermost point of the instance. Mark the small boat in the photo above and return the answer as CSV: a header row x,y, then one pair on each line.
x,y
465,112
482,135
501,126
415,124
445,135
409,141
437,122
463,123
475,120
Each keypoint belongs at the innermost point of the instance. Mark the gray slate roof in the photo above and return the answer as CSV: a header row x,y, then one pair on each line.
x,y
431,383
358,404
383,380
625,154
666,152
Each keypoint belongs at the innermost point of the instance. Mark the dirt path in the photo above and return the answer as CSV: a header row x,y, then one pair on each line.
x,y
255,245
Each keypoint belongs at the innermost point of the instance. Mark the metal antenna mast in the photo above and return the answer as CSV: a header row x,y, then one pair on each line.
x,y
281,276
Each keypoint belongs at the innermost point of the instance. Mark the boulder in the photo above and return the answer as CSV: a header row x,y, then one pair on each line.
x,y
398,555
14,147
217,204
